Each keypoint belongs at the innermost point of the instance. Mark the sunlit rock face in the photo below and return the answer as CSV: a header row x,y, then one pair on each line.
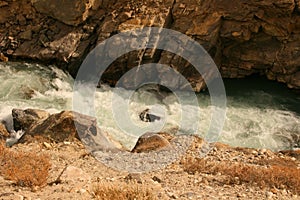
x,y
68,11
243,37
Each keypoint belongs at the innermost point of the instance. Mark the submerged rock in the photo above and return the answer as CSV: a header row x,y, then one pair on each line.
x,y
146,116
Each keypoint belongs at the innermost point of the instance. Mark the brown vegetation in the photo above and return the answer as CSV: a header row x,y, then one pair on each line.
x,y
284,162
275,175
25,168
126,191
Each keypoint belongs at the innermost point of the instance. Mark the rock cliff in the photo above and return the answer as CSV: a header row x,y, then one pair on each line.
x,y
243,37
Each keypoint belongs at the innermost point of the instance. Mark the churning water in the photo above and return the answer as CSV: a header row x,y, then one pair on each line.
x,y
260,113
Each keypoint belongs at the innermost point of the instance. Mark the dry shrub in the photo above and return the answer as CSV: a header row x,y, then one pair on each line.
x,y
2,151
285,162
25,168
126,191
273,176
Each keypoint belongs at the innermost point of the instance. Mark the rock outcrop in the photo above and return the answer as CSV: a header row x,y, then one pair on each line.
x,y
24,119
67,11
64,126
243,37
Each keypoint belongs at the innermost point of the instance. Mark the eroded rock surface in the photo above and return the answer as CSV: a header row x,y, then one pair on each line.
x,y
68,11
243,37
150,142
24,119
64,126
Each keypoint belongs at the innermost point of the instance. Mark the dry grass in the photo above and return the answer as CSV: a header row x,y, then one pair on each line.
x,y
121,190
285,162
279,176
25,168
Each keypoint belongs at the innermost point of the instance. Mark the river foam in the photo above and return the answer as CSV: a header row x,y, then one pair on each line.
x,y
260,118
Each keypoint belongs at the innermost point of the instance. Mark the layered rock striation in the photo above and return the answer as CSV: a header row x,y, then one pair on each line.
x,y
243,37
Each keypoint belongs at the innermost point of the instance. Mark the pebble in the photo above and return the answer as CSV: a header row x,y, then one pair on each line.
x,y
269,195
135,177
254,152
82,191
293,159
47,145
172,195
284,192
241,195
156,179
274,191
262,151
34,189
142,162
67,143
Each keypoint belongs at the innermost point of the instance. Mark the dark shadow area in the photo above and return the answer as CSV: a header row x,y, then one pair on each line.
x,y
279,93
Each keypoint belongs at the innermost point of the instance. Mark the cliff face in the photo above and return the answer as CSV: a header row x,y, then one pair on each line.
x,y
243,37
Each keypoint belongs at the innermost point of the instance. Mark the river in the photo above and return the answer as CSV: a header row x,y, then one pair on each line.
x,y
260,113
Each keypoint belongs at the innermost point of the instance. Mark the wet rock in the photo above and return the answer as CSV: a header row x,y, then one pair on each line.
x,y
24,119
14,137
3,57
146,116
150,142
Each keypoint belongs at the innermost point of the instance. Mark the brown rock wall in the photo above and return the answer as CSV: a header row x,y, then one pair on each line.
x,y
243,37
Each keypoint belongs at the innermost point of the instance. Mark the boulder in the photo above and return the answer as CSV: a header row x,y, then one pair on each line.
x,y
68,125
24,119
150,142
